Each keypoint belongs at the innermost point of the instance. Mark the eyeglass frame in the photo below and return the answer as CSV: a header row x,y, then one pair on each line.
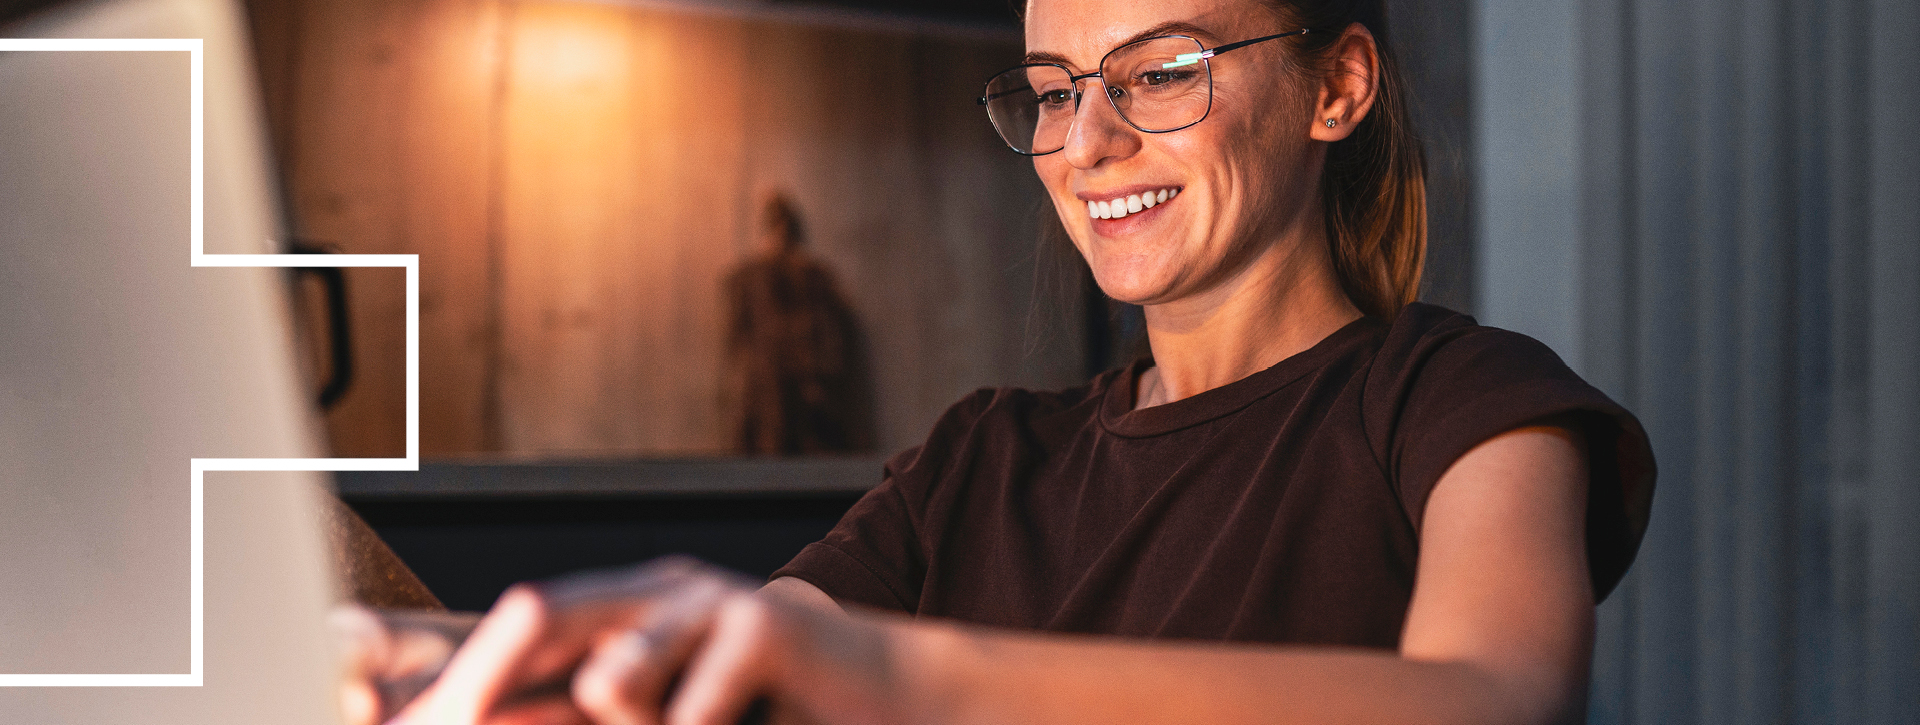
x,y
1204,56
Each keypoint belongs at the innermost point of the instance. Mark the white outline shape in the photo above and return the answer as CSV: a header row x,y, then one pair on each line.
x,y
196,669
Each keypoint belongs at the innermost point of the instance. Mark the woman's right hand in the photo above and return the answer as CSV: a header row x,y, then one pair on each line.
x,y
673,641
387,657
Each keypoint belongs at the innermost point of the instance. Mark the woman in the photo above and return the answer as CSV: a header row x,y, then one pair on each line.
x,y
1316,502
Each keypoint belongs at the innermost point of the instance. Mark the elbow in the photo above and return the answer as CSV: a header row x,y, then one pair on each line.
x,y
1517,695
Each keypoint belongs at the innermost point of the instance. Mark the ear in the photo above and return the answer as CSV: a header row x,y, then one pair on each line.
x,y
1349,87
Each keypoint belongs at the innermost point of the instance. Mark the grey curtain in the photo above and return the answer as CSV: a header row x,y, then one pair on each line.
x,y
1749,246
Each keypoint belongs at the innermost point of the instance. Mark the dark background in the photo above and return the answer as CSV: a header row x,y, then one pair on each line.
x,y
468,551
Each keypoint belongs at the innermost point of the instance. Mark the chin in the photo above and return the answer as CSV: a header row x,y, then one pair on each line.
x,y
1136,268
1131,285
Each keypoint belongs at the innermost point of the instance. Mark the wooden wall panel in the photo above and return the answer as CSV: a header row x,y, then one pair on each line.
x,y
689,211
579,177
916,203
345,115
447,166
833,123
382,113
275,26
568,228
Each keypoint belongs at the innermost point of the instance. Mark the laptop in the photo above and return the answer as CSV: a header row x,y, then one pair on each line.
x,y
119,363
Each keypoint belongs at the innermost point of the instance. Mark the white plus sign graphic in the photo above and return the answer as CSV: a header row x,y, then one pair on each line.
x,y
194,677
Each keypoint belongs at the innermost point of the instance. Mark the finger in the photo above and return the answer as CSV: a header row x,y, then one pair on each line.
x,y
525,650
359,702
588,607
614,686
362,639
550,712
418,653
521,654
416,660
488,663
585,608
628,676
364,650
733,668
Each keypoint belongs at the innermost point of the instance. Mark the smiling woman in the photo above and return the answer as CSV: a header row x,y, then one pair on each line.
x,y
1315,501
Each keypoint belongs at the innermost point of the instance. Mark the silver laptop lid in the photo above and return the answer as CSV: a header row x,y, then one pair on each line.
x,y
119,363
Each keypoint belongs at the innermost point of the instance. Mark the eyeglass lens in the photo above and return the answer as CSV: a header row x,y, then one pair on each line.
x,y
1158,84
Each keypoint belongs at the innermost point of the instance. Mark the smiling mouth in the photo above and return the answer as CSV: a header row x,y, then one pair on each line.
x,y
1130,204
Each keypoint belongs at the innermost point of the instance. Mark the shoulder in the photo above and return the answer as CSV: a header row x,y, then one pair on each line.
x,y
1434,364
1431,342
1437,367
1441,384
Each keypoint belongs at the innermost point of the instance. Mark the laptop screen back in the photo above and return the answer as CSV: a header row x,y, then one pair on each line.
x,y
119,363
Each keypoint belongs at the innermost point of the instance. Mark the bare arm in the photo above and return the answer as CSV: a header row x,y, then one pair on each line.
x,y
800,591
1499,631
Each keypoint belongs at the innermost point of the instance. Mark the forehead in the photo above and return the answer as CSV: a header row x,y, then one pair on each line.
x,y
1081,31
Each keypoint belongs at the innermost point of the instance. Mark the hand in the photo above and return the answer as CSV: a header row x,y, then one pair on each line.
x,y
672,641
389,656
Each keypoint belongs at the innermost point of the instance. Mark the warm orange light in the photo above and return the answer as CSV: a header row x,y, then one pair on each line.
x,y
569,44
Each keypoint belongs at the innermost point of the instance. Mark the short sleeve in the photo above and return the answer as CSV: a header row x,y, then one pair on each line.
x,y
870,557
1443,384
875,555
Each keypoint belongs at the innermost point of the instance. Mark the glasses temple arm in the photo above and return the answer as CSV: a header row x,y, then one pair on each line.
x,y
1244,43
1003,94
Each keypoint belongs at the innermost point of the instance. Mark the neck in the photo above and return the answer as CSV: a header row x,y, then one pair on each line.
x,y
1285,301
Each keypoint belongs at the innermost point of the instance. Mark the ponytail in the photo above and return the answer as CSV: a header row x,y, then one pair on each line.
x,y
1373,187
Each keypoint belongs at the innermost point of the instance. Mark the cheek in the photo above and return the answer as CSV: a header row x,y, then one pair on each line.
x,y
1209,163
1256,166
1053,173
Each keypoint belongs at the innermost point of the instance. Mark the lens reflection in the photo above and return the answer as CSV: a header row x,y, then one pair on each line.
x,y
1157,85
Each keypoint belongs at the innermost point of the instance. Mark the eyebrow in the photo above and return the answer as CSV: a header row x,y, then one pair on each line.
x,y
1175,27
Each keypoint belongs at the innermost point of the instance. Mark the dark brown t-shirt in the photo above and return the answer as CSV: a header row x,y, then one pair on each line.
x,y
1284,507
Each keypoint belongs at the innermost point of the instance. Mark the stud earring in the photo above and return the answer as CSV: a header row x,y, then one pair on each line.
x,y
1330,123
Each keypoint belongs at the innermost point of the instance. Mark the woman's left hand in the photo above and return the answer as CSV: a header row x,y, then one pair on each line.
x,y
673,641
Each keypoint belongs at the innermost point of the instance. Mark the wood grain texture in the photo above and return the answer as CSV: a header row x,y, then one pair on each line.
x,y
447,167
579,177
341,167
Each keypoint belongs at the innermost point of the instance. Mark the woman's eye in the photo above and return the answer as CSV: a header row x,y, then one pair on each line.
x,y
1164,77
1056,98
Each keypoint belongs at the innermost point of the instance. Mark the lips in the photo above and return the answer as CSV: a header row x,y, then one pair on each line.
x,y
1119,207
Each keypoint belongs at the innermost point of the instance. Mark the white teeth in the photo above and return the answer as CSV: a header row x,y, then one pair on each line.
x,y
1134,204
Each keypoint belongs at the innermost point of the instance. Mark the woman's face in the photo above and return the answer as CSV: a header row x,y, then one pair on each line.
x,y
1236,181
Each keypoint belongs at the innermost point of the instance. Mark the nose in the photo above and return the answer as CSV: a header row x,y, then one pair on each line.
x,y
1098,132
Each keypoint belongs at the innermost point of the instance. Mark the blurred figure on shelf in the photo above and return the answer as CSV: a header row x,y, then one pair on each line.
x,y
794,382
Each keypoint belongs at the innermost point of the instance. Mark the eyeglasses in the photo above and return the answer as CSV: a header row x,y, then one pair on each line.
x,y
1157,85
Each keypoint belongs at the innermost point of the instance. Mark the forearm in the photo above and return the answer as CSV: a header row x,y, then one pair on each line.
x,y
1500,630
958,675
